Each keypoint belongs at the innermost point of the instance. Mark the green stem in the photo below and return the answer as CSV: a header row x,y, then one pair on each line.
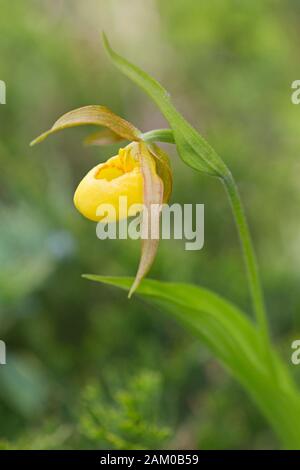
x,y
159,135
251,266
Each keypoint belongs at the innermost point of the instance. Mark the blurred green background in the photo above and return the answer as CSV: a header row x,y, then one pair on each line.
x,y
86,368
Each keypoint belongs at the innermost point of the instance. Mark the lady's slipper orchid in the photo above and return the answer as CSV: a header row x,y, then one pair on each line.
x,y
107,182
140,172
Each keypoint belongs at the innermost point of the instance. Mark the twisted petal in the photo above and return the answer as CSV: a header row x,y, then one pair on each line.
x,y
163,168
103,137
153,199
94,115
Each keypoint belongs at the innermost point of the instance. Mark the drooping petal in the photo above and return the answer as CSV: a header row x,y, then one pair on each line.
x,y
153,199
163,168
93,115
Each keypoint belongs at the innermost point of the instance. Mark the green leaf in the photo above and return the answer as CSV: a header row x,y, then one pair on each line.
x,y
234,340
192,147
93,115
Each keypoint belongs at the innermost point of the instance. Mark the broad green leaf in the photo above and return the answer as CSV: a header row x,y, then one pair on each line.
x,y
234,340
192,147
93,115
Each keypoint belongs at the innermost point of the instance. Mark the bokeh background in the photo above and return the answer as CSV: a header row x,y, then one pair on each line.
x,y
86,368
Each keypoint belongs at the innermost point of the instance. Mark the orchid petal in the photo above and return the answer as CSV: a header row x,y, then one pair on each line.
x,y
163,168
153,199
103,137
93,115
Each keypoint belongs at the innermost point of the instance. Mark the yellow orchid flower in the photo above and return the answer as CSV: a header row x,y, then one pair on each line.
x,y
140,171
107,182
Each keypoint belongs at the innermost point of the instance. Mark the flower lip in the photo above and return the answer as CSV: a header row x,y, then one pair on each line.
x,y
108,173
119,165
105,183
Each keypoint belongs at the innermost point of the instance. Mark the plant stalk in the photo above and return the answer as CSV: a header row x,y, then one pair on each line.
x,y
251,267
159,135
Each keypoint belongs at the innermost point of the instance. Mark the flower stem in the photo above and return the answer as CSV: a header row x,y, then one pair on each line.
x,y
251,266
159,135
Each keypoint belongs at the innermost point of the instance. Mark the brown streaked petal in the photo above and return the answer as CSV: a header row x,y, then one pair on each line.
x,y
163,169
103,137
93,115
153,194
